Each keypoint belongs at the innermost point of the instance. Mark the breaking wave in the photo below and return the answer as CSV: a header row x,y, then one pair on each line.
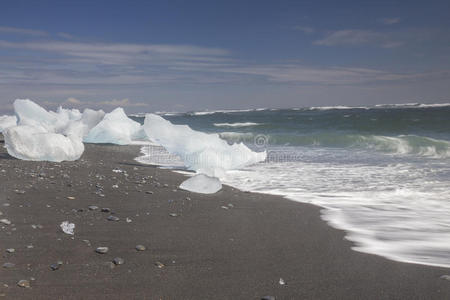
x,y
401,145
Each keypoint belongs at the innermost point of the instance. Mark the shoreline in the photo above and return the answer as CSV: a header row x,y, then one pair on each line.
x,y
229,245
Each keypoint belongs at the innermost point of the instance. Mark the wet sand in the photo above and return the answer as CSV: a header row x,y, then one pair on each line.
x,y
230,245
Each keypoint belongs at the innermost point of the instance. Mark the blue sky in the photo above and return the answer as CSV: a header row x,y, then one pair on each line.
x,y
196,55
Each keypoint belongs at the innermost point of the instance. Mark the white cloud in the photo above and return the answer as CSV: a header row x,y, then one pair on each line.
x,y
389,21
305,29
74,101
357,37
298,74
124,102
24,31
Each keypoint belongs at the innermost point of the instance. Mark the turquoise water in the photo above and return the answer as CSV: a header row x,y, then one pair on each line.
x,y
381,173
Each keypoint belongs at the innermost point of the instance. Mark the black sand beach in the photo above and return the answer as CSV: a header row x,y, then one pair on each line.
x,y
230,245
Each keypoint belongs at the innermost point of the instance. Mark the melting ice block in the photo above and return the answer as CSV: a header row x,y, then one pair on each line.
x,y
34,143
201,152
202,184
7,121
115,128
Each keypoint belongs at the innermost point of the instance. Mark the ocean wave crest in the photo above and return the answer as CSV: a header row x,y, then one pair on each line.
x,y
400,145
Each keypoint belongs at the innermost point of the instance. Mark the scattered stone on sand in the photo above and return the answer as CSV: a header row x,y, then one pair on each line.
x,y
149,192
445,277
71,198
140,248
5,221
128,220
268,298
55,267
23,283
225,207
105,209
10,250
30,246
8,265
282,282
102,250
92,207
113,218
118,261
19,191
159,264
173,215
87,242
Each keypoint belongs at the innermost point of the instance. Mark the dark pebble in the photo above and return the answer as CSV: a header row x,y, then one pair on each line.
x,y
118,261
113,218
8,265
102,250
105,209
54,267
24,283
268,298
140,248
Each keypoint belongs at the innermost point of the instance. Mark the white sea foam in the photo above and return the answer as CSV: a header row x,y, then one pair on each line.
x,y
398,209
244,124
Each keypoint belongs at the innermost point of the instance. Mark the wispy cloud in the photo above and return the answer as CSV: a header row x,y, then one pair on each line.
x,y
22,31
389,21
305,29
358,37
299,74
65,35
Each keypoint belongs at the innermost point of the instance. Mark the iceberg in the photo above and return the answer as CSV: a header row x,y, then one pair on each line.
x,y
7,121
33,143
47,135
202,184
115,128
202,152
207,154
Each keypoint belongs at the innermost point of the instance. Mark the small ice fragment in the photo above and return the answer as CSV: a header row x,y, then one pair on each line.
x,y
67,227
202,184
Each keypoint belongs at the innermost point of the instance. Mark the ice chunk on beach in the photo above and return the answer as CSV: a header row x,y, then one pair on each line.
x,y
7,121
31,114
35,143
202,184
201,152
67,227
115,128
63,121
88,120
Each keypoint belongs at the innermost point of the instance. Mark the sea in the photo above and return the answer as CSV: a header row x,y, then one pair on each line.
x,y
380,173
